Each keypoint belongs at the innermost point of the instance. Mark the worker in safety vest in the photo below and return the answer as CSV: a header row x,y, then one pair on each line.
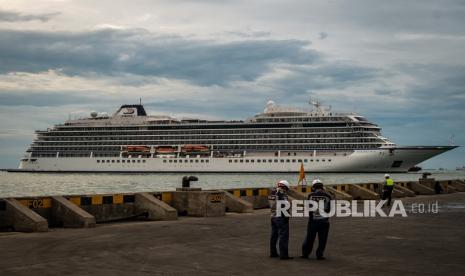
x,y
387,189
279,222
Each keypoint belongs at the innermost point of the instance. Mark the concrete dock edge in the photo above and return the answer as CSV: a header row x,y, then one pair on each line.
x,y
156,209
23,219
68,214
236,204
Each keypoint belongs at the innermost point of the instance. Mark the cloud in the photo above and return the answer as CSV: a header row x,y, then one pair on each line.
x,y
138,52
323,35
41,98
11,16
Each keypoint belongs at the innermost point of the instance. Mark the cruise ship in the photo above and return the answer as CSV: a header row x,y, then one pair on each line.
x,y
279,139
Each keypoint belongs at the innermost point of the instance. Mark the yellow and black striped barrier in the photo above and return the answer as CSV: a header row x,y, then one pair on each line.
x,y
250,192
85,200
166,197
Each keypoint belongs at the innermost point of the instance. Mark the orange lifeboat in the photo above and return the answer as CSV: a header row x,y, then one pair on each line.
x,y
165,150
142,149
195,148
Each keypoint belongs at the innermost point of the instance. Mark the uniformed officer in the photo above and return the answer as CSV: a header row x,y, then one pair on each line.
x,y
387,189
279,224
317,224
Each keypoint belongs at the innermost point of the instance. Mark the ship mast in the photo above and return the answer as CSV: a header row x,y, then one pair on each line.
x,y
318,106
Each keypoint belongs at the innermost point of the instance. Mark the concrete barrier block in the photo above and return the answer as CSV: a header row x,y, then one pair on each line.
x,y
358,192
397,193
68,214
156,209
237,204
258,202
21,218
458,185
451,189
421,189
405,190
339,195
199,203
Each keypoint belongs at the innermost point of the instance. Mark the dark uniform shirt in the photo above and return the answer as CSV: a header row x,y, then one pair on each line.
x,y
318,196
275,195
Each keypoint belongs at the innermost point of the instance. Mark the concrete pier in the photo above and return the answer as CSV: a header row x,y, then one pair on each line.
x,y
237,204
155,208
199,203
20,218
67,214
237,244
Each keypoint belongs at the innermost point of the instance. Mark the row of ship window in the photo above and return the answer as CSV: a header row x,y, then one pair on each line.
x,y
277,160
248,160
106,131
253,135
207,161
122,161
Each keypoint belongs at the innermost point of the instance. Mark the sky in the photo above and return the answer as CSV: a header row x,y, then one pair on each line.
x,y
400,63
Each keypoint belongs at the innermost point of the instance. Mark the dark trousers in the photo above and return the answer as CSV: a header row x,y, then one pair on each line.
x,y
314,227
279,231
387,194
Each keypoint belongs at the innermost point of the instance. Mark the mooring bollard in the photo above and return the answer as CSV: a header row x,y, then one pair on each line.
x,y
186,181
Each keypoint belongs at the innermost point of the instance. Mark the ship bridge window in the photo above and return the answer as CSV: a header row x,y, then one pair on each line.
x,y
242,161
288,160
247,161
252,161
108,161
202,161
133,161
192,161
259,161
98,161
196,161
276,161
300,160
207,160
112,161
264,160
305,160
293,160
164,161
282,160
323,160
235,161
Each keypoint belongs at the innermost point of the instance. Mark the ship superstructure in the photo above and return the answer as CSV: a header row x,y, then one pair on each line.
x,y
276,140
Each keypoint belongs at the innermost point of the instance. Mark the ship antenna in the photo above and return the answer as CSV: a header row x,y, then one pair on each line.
x,y
140,101
452,140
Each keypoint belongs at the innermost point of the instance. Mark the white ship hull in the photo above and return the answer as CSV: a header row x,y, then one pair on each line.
x,y
379,160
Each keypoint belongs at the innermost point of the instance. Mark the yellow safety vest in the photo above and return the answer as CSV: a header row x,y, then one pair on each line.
x,y
389,182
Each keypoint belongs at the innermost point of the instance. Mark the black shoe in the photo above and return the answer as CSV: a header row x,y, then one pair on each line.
x,y
274,256
321,258
304,257
286,258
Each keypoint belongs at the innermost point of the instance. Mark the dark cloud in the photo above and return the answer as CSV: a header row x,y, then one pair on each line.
x,y
38,98
11,16
112,52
